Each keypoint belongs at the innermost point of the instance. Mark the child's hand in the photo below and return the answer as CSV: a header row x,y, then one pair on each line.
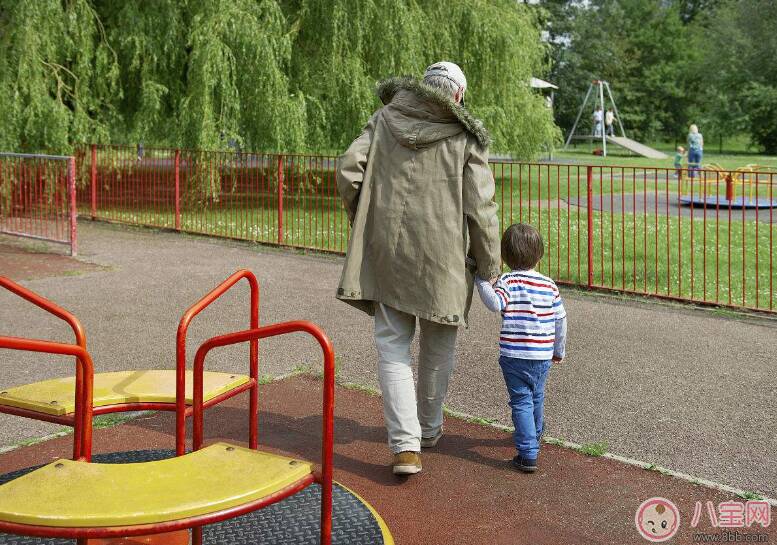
x,y
556,359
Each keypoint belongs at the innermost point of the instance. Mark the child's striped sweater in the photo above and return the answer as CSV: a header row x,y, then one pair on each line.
x,y
533,315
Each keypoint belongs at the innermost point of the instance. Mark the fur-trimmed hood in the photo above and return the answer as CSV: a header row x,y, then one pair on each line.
x,y
449,110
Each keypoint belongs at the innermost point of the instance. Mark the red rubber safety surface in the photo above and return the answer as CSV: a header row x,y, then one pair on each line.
x,y
466,494
24,259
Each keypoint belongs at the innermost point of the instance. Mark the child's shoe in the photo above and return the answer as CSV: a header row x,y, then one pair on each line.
x,y
527,465
406,463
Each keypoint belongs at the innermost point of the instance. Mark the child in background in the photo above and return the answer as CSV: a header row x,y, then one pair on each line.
x,y
609,122
678,162
533,335
598,117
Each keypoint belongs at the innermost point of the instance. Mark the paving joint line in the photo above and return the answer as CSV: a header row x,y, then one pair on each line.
x,y
708,483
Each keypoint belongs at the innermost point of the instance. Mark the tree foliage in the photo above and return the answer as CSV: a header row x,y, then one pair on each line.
x,y
738,45
58,74
670,63
262,74
638,46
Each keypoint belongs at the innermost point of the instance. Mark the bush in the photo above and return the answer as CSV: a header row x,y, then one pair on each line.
x,y
761,104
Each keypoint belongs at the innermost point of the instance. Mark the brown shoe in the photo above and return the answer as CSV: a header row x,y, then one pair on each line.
x,y
407,463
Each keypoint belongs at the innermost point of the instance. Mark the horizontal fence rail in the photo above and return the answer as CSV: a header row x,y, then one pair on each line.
x,y
38,197
702,235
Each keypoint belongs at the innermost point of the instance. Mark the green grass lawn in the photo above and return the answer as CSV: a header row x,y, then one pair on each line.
x,y
664,255
633,252
621,157
638,250
553,181
311,222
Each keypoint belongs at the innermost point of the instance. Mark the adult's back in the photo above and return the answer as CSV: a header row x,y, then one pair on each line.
x,y
695,150
419,192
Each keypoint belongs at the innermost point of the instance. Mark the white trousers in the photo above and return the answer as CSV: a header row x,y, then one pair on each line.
x,y
409,417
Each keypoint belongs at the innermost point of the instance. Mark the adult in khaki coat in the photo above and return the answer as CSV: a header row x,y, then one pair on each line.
x,y
419,195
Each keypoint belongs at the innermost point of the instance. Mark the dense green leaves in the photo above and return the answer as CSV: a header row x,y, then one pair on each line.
x,y
670,63
639,46
262,74
349,45
300,74
58,74
739,48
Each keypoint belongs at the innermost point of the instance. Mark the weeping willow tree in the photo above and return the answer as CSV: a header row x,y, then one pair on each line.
x,y
497,43
342,48
152,54
236,83
345,46
291,75
58,75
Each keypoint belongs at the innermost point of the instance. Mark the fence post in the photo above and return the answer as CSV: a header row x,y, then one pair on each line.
x,y
71,189
93,181
730,188
177,190
280,199
590,211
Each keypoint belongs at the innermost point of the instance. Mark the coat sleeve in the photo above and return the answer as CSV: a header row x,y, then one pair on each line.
x,y
480,212
351,167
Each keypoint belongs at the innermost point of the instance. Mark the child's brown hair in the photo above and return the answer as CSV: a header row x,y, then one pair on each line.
x,y
522,247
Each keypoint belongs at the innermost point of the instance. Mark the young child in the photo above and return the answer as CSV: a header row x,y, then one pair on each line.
x,y
678,162
533,335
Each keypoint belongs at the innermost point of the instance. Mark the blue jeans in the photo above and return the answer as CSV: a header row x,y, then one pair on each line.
x,y
694,161
525,381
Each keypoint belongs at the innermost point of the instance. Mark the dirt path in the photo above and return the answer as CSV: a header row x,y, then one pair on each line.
x,y
26,260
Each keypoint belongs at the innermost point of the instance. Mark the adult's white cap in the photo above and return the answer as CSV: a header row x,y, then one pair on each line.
x,y
449,71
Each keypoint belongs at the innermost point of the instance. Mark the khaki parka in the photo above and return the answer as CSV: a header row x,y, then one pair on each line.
x,y
419,194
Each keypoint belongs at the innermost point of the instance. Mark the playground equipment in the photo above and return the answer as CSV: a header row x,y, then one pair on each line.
x,y
599,87
755,181
161,495
57,400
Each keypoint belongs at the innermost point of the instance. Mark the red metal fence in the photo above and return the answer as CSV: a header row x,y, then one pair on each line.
x,y
706,236
687,235
38,197
285,199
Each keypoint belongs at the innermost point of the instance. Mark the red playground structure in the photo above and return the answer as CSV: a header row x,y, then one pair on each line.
x,y
206,494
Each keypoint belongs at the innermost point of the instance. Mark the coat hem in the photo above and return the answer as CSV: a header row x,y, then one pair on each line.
x,y
368,306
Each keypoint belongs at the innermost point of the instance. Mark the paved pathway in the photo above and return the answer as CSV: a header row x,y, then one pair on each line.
x,y
674,386
466,494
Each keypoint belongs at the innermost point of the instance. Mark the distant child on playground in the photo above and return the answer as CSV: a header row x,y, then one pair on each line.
x,y
598,117
609,122
678,162
533,335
